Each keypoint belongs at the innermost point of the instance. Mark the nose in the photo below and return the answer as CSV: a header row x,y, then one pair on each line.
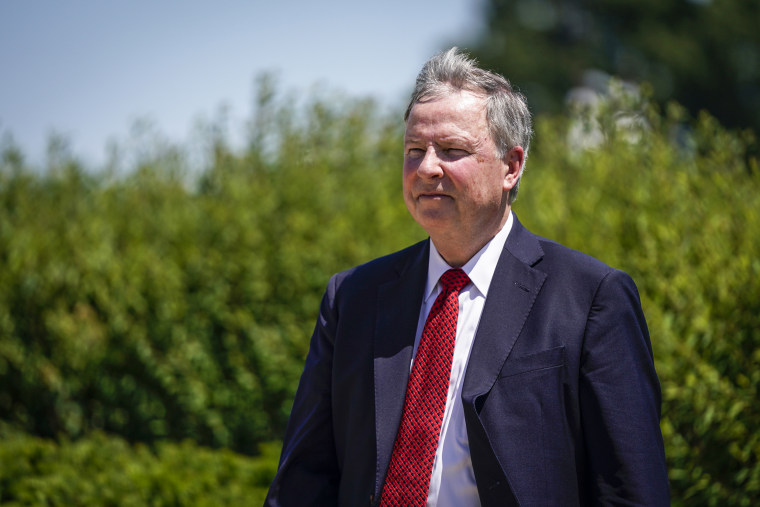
x,y
430,165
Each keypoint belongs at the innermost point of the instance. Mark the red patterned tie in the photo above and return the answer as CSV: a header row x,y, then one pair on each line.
x,y
417,439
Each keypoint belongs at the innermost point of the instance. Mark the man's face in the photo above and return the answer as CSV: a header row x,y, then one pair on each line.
x,y
455,184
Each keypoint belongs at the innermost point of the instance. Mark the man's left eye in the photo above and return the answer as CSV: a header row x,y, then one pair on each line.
x,y
456,152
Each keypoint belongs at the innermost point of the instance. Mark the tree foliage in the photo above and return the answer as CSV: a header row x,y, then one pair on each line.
x,y
705,54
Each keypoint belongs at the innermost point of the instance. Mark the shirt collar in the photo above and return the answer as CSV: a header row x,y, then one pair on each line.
x,y
479,268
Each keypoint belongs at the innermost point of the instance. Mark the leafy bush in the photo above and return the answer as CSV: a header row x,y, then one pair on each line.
x,y
159,304
153,306
105,470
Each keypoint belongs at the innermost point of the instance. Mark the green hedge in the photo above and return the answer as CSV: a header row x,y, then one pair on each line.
x,y
154,307
105,470
162,304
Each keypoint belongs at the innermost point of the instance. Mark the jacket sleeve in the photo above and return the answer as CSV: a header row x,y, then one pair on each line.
x,y
308,472
620,401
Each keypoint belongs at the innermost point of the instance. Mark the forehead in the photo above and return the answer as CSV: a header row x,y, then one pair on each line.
x,y
460,110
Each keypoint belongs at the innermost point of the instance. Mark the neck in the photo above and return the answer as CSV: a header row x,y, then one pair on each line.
x,y
456,259
459,247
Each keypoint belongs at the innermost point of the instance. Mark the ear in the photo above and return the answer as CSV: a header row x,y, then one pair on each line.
x,y
513,162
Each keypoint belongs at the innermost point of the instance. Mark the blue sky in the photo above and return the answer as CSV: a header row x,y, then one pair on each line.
x,y
88,69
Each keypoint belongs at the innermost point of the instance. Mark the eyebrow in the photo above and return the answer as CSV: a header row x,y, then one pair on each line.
x,y
450,139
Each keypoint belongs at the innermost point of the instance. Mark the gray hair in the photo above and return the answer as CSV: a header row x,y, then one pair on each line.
x,y
507,111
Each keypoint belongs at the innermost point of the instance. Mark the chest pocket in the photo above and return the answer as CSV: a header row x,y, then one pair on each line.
x,y
545,359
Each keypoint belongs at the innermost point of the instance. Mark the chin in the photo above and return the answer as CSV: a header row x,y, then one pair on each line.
x,y
432,222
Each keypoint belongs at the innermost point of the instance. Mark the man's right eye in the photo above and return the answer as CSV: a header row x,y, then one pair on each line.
x,y
415,152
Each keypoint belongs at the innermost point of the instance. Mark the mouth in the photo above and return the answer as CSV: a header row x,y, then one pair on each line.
x,y
423,196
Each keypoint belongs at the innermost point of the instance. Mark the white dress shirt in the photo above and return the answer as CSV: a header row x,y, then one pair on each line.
x,y
452,482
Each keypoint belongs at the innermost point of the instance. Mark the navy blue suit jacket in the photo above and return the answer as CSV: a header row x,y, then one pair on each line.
x,y
561,398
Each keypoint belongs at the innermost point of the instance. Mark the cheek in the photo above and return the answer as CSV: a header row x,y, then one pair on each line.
x,y
484,185
469,177
408,173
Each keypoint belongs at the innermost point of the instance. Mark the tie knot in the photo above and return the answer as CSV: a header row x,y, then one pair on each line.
x,y
454,279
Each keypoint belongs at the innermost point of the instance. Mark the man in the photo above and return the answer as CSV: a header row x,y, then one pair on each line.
x,y
523,378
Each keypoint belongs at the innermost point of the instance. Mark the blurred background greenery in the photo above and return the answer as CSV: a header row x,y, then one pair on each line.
x,y
154,320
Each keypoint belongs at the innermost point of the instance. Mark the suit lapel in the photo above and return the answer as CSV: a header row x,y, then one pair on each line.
x,y
510,299
398,310
513,290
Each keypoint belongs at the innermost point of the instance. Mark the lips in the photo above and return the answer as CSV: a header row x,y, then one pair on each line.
x,y
432,195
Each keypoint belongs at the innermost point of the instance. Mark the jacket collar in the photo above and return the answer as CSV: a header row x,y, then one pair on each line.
x,y
509,302
398,309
